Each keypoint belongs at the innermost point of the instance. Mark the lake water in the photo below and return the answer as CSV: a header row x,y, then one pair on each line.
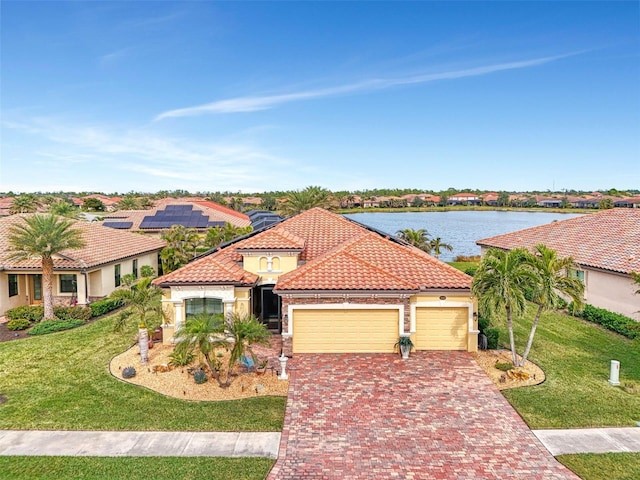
x,y
460,229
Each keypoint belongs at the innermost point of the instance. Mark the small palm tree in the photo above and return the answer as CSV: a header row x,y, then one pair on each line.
x,y
182,244
243,331
418,238
63,208
26,203
43,236
204,333
552,281
299,201
437,245
144,304
129,202
500,283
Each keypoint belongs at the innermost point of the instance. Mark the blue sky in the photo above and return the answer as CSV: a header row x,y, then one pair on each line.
x,y
258,96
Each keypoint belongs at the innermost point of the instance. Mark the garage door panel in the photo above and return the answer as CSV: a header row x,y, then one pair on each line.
x,y
441,328
342,331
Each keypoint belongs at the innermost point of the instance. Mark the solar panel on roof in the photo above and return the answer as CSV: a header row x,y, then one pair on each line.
x,y
120,225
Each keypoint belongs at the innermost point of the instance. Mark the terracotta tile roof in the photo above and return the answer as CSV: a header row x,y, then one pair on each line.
x,y
340,255
371,262
213,269
215,212
273,239
102,245
608,240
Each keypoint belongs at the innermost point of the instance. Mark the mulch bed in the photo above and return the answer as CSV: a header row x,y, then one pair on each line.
x,y
6,334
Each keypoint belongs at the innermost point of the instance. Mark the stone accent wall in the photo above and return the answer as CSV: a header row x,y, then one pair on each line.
x,y
287,342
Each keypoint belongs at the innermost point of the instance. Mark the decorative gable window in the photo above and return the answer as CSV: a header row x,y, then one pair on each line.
x,y
195,306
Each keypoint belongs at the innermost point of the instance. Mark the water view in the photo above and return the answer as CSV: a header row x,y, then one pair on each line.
x,y
460,229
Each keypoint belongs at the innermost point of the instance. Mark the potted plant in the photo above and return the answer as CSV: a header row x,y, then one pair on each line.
x,y
261,367
404,345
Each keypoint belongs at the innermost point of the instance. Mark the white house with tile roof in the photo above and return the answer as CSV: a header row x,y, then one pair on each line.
x,y
329,284
81,276
604,245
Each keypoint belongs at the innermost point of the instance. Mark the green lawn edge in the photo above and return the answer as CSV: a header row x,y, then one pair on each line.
x,y
596,466
61,381
134,468
575,356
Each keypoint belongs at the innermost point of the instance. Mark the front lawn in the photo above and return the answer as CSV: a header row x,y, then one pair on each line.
x,y
575,356
134,468
612,466
61,381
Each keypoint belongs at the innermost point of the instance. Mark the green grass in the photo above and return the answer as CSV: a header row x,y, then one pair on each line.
x,y
134,468
612,466
575,356
462,266
61,381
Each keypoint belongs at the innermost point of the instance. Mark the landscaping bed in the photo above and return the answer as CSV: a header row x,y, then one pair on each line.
x,y
488,359
178,382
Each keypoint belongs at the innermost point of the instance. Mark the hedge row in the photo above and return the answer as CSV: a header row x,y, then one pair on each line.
x,y
611,321
35,313
50,326
103,306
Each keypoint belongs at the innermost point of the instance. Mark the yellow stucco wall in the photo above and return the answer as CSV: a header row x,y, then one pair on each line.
x,y
269,266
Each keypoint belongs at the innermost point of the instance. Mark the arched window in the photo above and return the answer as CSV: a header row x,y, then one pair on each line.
x,y
263,264
276,264
194,306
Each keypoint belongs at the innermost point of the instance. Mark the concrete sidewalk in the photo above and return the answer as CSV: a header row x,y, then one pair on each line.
x,y
139,444
590,440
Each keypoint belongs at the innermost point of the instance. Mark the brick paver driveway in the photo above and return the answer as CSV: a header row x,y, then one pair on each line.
x,y
375,416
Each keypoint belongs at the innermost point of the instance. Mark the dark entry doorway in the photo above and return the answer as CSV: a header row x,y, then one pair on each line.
x,y
267,307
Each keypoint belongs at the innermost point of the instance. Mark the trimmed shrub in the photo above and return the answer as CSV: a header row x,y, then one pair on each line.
x,y
492,337
33,313
50,326
611,321
72,313
18,324
505,367
483,324
471,271
103,306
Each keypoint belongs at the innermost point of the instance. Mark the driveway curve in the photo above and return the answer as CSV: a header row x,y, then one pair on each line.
x,y
436,415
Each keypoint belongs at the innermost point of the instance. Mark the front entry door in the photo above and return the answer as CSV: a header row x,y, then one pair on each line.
x,y
267,307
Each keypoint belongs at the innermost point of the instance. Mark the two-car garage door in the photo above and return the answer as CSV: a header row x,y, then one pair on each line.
x,y
345,330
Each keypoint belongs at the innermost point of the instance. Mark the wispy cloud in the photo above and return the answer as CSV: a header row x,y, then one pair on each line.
x,y
114,56
123,156
256,103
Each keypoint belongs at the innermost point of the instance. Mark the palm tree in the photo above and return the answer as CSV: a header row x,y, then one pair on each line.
x,y
437,244
43,236
26,203
500,283
144,304
418,238
182,244
299,201
214,237
63,208
129,202
204,333
553,281
245,330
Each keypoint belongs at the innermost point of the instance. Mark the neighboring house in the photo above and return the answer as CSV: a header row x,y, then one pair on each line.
x,y
605,247
329,284
464,198
198,214
80,276
490,198
628,202
110,203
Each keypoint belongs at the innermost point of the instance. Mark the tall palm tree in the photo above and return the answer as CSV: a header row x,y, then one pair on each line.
x,y
553,280
204,333
243,330
299,201
43,236
26,203
418,238
129,202
182,244
437,245
500,283
63,208
144,304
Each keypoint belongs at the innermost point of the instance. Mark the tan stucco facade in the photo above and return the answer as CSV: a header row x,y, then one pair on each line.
x,y
91,284
612,291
